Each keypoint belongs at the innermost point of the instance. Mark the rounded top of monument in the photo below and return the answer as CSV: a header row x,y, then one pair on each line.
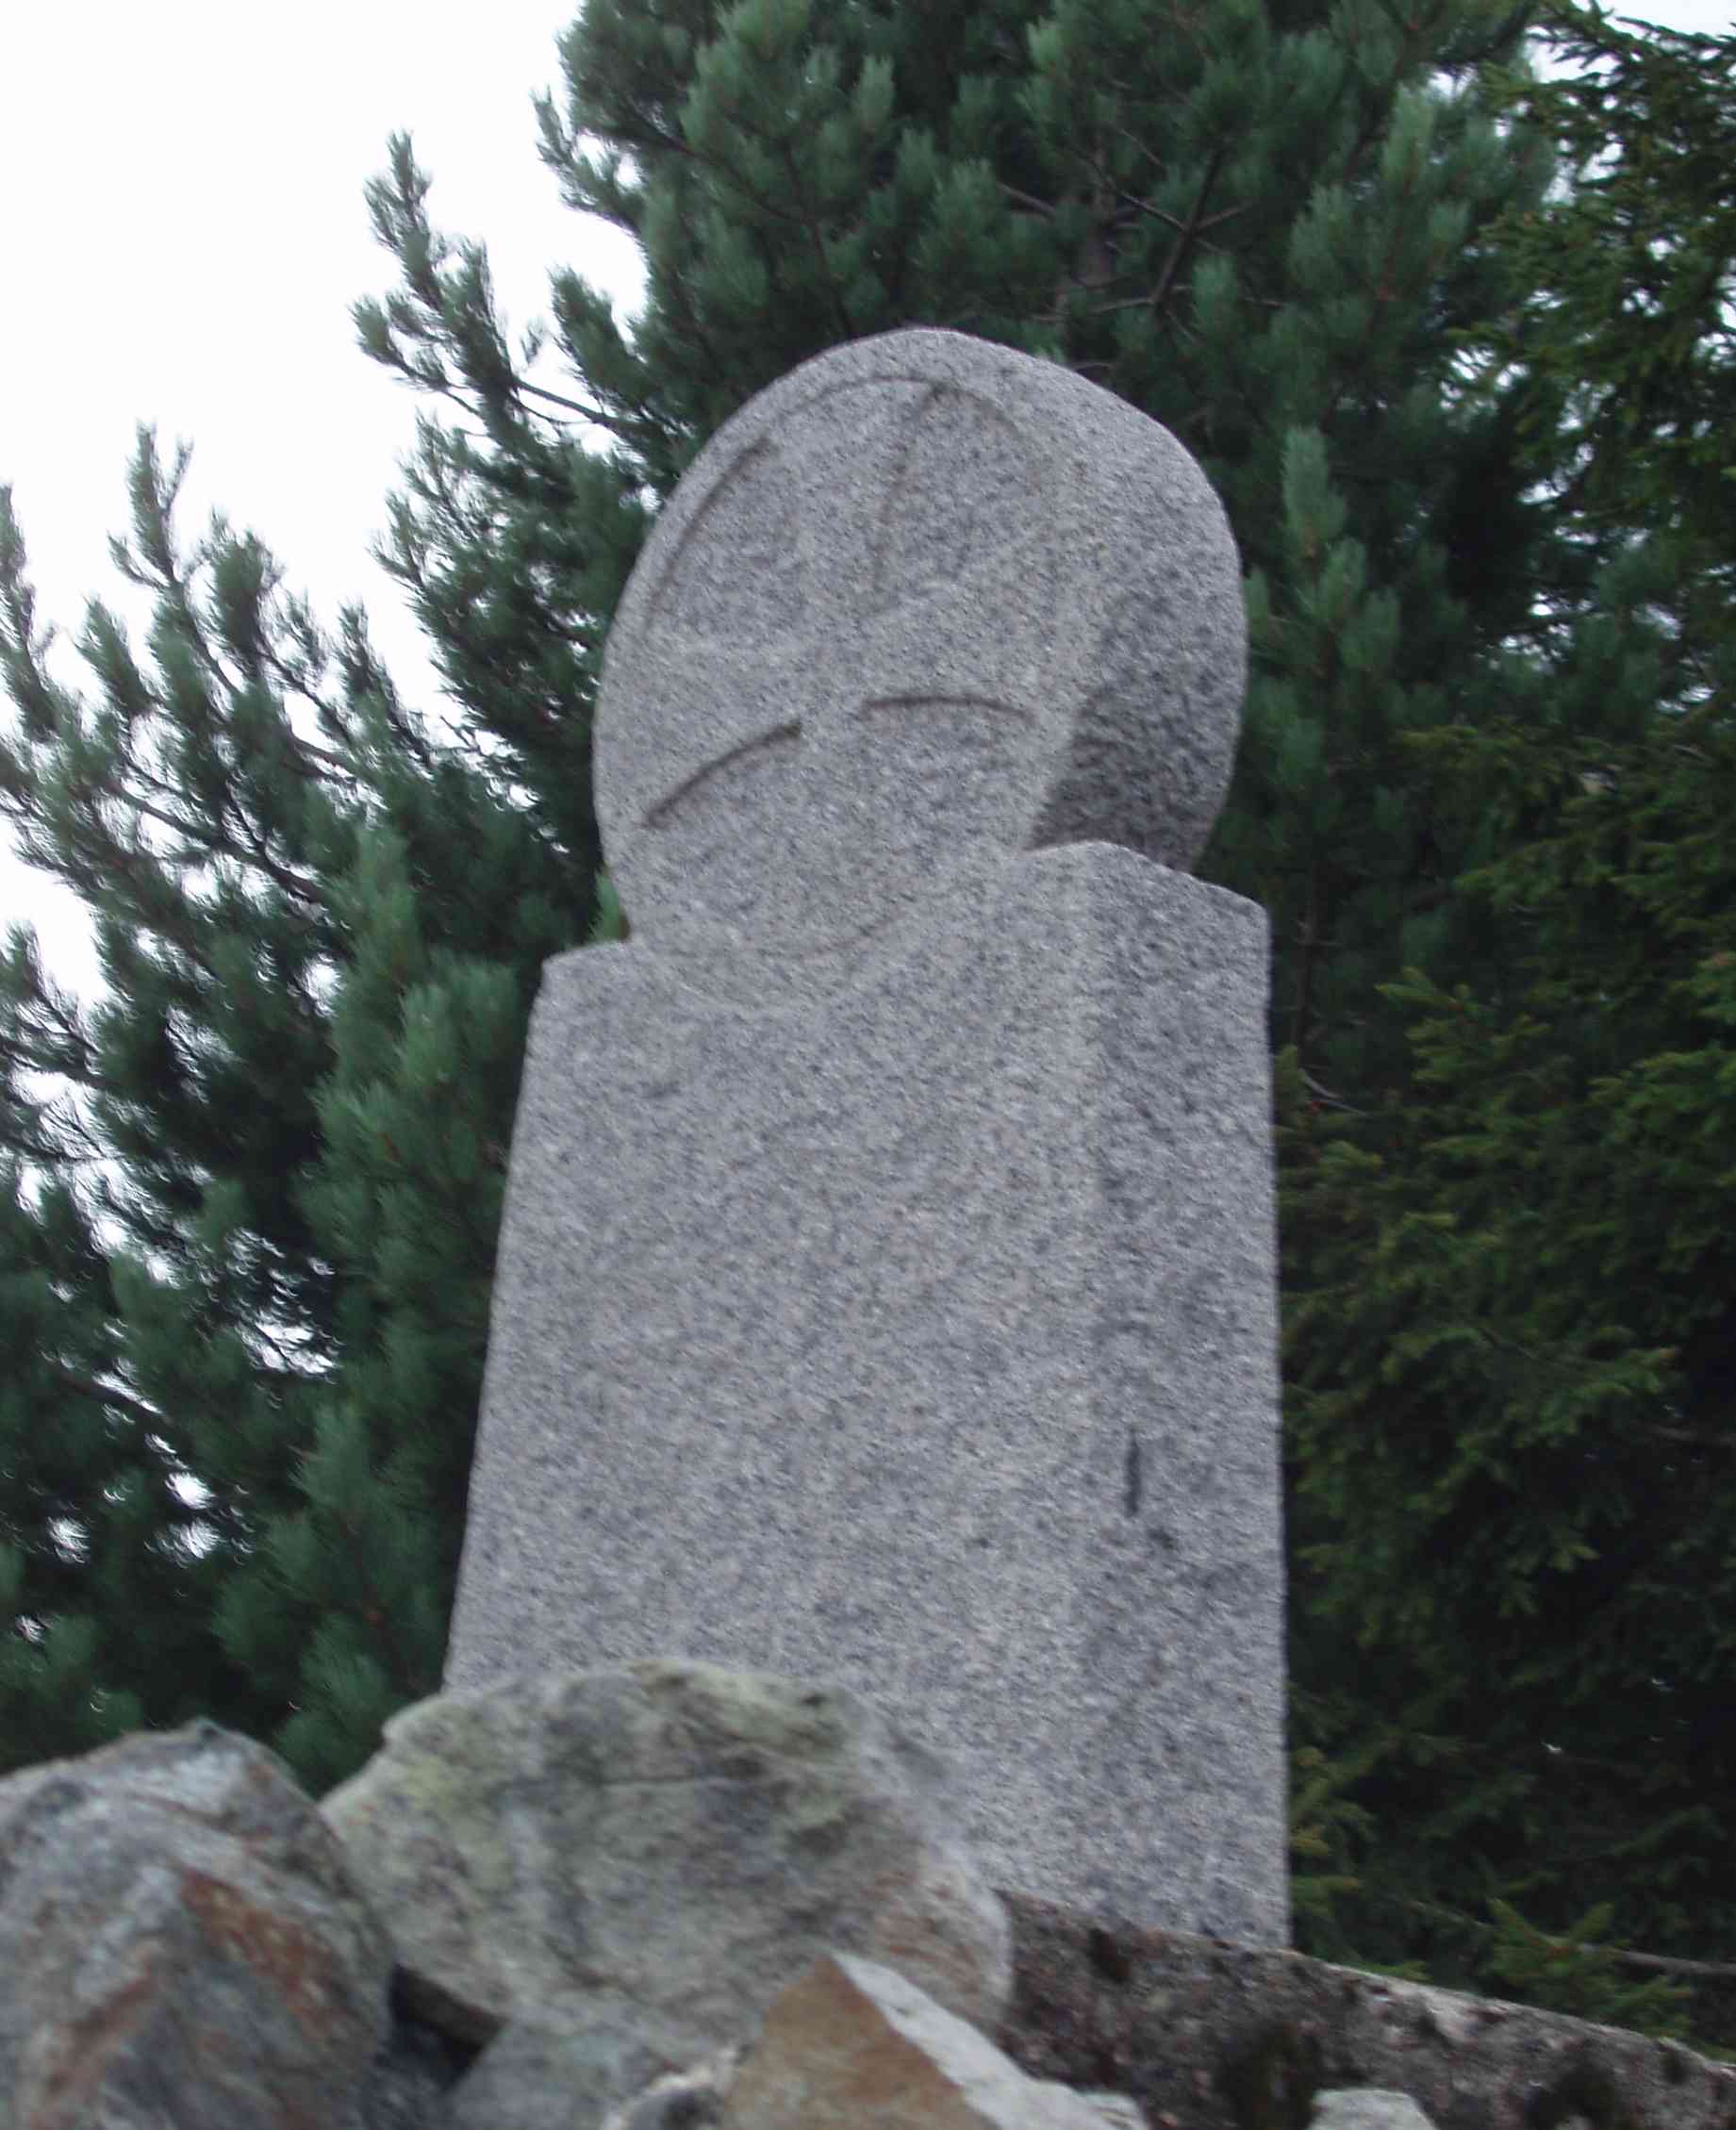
x,y
921,604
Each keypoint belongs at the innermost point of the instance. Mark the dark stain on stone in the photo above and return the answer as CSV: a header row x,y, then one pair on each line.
x,y
1585,2089
1108,1955
1269,2078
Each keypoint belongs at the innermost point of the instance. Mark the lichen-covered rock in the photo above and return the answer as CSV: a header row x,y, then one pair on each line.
x,y
639,1859
1216,2035
184,1943
184,1946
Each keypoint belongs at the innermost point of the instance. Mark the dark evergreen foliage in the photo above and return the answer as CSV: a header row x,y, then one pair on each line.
x,y
252,1194
1511,1295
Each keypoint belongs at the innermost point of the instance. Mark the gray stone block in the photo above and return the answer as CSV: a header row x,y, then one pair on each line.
x,y
886,1285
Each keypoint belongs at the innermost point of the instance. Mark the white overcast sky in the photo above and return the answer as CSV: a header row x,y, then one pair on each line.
x,y
184,233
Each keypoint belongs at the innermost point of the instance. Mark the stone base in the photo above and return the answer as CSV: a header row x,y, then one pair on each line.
x,y
924,1338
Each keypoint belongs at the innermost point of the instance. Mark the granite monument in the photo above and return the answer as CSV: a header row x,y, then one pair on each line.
x,y
886,1285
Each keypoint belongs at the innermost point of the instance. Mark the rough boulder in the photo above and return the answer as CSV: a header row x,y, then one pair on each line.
x,y
665,1897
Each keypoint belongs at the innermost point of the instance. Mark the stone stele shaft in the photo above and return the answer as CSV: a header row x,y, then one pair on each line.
x,y
887,1287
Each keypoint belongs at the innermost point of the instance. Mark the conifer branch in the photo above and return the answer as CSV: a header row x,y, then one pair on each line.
x,y
104,1393
1657,1963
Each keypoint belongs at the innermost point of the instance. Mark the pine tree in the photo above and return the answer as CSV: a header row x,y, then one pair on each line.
x,y
1511,1280
99,1568
248,1230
